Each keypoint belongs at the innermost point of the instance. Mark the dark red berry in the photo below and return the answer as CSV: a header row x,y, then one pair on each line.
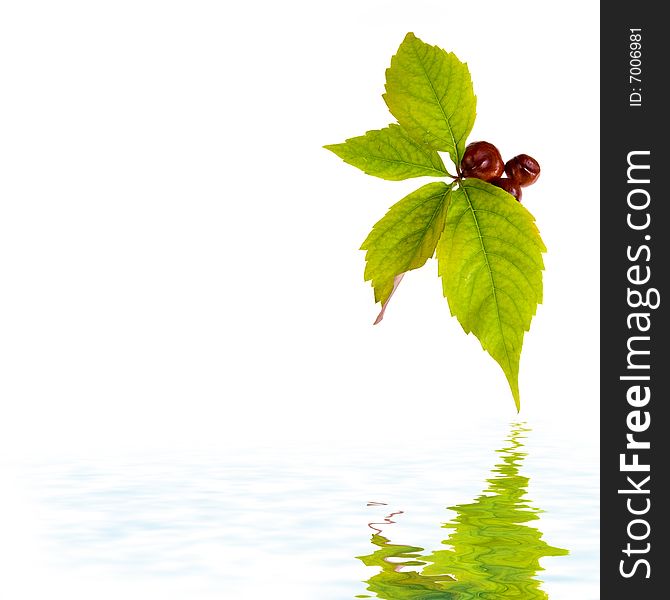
x,y
482,161
523,169
509,185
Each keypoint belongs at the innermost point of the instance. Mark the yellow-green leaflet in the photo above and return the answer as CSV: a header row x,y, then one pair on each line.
x,y
430,92
405,238
490,260
391,154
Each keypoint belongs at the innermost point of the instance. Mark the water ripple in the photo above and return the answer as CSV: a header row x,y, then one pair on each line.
x,y
289,522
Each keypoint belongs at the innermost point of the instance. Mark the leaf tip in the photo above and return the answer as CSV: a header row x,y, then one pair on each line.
x,y
514,386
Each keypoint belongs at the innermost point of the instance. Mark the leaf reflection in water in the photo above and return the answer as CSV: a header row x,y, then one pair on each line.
x,y
491,552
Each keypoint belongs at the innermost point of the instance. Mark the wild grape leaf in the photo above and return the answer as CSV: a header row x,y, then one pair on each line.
x,y
488,248
429,91
391,154
490,261
405,238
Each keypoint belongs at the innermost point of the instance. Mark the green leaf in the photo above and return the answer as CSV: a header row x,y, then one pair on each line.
x,y
391,154
490,261
429,92
405,238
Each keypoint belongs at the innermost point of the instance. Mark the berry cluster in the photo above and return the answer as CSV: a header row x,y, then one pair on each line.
x,y
482,160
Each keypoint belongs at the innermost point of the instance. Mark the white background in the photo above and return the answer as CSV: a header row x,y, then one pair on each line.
x,y
179,262
179,256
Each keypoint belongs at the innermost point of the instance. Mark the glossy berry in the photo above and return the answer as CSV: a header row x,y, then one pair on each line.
x,y
509,185
482,161
523,169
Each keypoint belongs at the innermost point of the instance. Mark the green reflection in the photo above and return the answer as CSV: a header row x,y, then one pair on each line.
x,y
491,553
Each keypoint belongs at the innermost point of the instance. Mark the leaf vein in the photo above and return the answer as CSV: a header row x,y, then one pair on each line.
x,y
437,100
493,284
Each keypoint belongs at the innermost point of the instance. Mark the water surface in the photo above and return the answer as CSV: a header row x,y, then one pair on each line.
x,y
503,513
